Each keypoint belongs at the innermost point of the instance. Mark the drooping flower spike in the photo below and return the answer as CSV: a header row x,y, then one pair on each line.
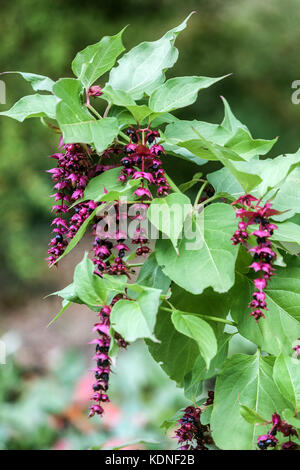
x,y
252,213
191,434
278,425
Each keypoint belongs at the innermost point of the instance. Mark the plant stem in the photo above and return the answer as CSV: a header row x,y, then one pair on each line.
x,y
200,192
93,110
205,317
124,136
107,110
215,196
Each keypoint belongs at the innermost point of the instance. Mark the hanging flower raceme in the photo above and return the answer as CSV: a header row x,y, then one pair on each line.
x,y
278,425
191,434
75,168
142,161
252,213
102,369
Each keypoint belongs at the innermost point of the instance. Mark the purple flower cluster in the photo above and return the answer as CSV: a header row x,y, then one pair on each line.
x,y
109,250
251,213
102,369
75,168
191,434
142,161
278,425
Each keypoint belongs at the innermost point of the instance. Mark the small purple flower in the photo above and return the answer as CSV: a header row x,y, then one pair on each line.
x,y
95,91
140,192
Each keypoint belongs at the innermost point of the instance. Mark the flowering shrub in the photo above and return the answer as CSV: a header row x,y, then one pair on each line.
x,y
177,265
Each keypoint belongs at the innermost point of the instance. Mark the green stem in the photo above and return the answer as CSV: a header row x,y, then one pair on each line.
x,y
205,317
200,192
215,196
124,136
107,110
93,110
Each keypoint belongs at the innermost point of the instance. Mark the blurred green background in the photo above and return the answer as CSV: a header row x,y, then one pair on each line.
x,y
257,41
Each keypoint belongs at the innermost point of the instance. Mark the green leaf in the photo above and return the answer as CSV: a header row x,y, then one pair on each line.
x,y
69,294
206,415
90,288
189,184
107,181
169,213
225,183
135,319
32,106
117,97
288,416
38,82
175,353
287,232
230,122
248,380
76,122
196,328
288,196
93,61
139,112
282,323
234,138
244,172
151,275
162,119
287,378
243,144
183,153
65,306
251,416
143,68
179,92
272,171
212,264
193,381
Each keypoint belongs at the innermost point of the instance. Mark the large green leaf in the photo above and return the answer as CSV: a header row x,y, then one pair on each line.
x,y
179,92
76,122
193,381
234,138
286,375
135,319
175,353
225,183
288,196
282,323
100,187
32,106
90,288
117,97
151,275
169,213
287,232
93,61
244,172
38,82
210,265
199,330
247,380
142,69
